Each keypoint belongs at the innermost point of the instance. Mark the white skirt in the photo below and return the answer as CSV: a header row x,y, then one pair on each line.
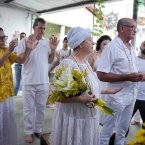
x,y
8,127
75,124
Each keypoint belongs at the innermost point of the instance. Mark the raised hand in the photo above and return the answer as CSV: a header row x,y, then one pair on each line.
x,y
53,43
13,44
113,91
30,43
94,55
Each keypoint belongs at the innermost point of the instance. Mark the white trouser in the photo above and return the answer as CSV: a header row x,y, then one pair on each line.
x,y
137,116
8,126
120,120
34,95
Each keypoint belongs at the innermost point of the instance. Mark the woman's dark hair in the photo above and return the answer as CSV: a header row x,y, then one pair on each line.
x,y
1,29
100,40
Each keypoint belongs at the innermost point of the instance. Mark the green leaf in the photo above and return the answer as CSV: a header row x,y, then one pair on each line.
x,y
100,26
98,4
95,25
100,9
96,29
97,21
101,1
102,6
101,31
98,17
96,10
101,13
95,34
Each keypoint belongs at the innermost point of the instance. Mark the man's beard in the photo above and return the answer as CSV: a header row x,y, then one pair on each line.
x,y
143,51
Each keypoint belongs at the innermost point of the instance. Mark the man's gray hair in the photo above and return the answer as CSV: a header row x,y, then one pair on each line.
x,y
122,21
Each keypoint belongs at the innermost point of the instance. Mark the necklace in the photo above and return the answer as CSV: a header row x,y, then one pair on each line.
x,y
129,61
90,71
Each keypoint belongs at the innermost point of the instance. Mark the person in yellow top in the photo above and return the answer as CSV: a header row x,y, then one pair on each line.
x,y
8,127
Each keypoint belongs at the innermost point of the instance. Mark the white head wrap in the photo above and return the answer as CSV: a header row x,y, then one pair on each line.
x,y
76,36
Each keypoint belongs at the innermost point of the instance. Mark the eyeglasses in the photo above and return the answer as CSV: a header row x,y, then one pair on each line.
x,y
133,28
3,38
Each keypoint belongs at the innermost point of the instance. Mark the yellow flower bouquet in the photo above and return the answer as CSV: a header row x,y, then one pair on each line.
x,y
139,137
70,83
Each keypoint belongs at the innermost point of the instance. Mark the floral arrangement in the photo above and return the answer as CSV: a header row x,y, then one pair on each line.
x,y
70,83
139,137
110,21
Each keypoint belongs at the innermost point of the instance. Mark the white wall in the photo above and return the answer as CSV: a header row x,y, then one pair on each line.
x,y
80,16
71,18
14,20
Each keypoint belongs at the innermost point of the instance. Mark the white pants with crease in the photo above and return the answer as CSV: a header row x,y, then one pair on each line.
x,y
120,120
34,96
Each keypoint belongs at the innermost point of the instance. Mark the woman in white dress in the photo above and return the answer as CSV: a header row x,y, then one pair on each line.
x,y
73,122
94,61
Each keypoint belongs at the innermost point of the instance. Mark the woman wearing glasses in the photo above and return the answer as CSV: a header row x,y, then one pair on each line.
x,y
8,129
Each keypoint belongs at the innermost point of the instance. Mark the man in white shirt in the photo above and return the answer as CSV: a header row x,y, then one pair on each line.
x,y
35,79
140,100
119,68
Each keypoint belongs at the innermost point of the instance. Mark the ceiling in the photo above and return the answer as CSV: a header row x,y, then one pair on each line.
x,y
43,6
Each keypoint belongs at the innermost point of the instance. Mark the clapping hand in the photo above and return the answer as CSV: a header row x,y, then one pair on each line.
x,y
94,55
13,44
53,43
30,43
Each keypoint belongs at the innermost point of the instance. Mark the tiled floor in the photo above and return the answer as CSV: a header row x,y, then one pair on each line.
x,y
48,123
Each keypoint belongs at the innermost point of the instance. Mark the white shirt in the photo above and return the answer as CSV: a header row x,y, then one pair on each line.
x,y
63,54
35,68
141,85
96,63
114,60
50,65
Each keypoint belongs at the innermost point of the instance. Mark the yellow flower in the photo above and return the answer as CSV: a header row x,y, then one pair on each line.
x,y
132,142
59,71
140,136
85,73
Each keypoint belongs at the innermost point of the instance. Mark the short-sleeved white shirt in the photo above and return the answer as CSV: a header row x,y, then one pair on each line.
x,y
63,54
141,85
35,68
114,60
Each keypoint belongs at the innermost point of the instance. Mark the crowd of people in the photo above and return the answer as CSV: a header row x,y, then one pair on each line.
x,y
112,68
